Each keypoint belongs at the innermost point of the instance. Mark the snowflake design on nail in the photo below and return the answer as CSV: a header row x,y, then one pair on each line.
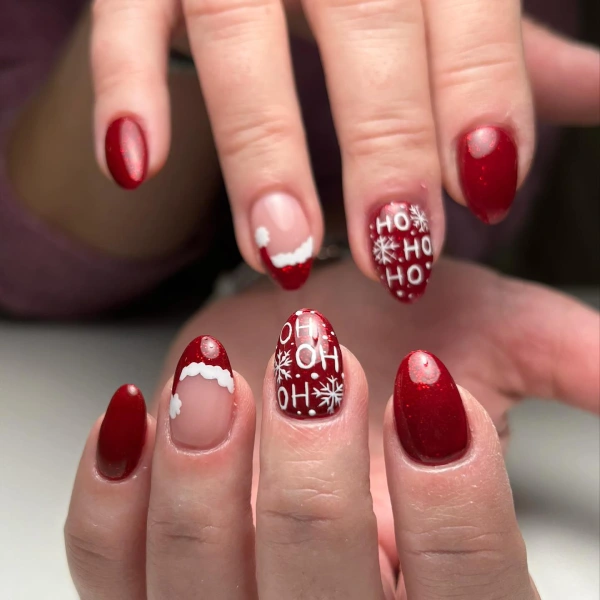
x,y
419,219
331,393
174,406
384,248
283,362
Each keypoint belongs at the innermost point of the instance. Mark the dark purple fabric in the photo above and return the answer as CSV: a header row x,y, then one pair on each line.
x,y
43,274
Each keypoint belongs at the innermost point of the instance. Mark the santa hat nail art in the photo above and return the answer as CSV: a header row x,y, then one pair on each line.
x,y
204,356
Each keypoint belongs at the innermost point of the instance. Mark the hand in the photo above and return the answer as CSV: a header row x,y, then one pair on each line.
x,y
161,508
502,338
424,94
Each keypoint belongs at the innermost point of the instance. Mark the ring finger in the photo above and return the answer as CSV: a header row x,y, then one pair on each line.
x,y
375,58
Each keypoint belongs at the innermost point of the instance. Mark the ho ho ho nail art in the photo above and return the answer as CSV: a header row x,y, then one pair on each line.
x,y
401,249
308,369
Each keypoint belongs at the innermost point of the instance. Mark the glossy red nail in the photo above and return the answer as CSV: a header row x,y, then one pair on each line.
x,y
430,417
488,168
126,152
122,434
401,249
308,369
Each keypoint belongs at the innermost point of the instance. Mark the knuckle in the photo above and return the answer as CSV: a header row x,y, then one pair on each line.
x,y
194,525
465,553
389,134
305,509
218,14
257,132
492,62
91,549
372,14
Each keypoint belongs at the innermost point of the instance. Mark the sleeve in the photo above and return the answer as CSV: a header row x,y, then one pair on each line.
x,y
42,273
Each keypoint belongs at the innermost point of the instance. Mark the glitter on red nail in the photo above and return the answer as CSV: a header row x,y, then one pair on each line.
x,y
430,417
488,168
126,152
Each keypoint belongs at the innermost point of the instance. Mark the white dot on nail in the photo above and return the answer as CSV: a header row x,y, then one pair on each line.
x,y
314,375
299,412
311,412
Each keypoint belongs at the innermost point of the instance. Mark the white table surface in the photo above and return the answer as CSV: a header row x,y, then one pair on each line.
x,y
53,385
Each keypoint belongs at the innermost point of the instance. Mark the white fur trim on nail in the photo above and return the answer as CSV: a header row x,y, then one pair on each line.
x,y
262,237
297,257
174,406
223,377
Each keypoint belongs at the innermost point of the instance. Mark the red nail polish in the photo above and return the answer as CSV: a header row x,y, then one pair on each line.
x,y
401,249
308,369
126,152
122,434
430,417
488,168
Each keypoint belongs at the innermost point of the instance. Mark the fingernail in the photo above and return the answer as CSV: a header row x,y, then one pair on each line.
x,y
283,238
201,404
488,168
126,152
430,417
401,249
308,369
122,434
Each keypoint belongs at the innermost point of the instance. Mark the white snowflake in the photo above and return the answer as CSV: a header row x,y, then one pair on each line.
x,y
174,406
383,249
282,364
331,393
419,219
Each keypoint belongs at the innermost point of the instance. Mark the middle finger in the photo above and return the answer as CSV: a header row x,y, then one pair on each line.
x,y
315,527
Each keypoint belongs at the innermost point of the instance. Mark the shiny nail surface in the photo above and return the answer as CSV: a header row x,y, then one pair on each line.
x,y
201,405
488,168
126,152
401,249
308,369
122,434
283,239
430,417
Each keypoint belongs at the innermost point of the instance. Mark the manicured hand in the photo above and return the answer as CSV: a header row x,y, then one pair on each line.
x,y
424,95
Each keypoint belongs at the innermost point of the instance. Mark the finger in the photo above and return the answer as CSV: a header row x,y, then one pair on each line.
x,y
241,51
374,54
129,64
455,523
482,102
105,530
200,530
554,345
564,74
315,526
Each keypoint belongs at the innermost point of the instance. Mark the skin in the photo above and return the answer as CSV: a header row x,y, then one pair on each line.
x,y
50,179
319,486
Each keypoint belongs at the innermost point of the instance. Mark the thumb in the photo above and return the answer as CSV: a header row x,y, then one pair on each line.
x,y
564,75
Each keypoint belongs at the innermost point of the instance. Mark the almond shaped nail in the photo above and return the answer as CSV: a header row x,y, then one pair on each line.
x,y
430,417
308,368
122,434
201,405
401,249
488,168
283,239
126,152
